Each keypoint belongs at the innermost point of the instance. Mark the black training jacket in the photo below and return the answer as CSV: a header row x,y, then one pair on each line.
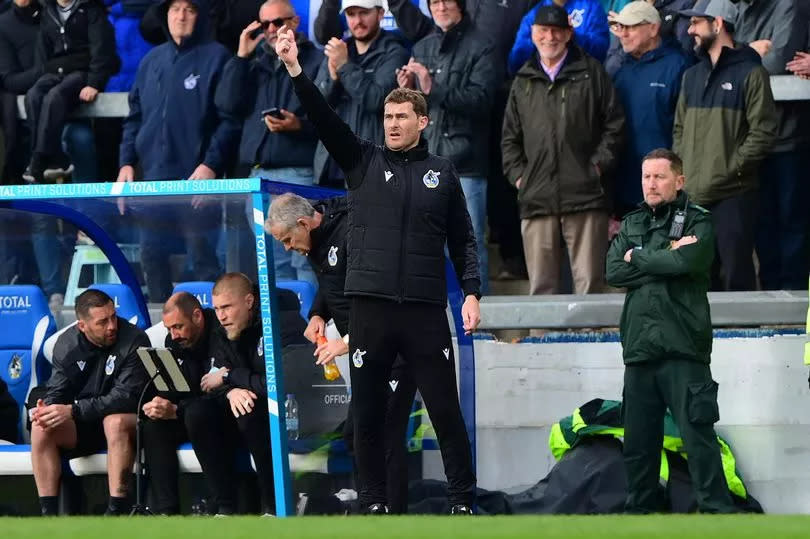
x,y
84,42
97,381
244,357
327,256
195,362
403,208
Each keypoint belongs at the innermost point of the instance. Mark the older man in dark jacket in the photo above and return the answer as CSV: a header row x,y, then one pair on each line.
x,y
648,83
278,141
561,136
280,145
455,68
175,130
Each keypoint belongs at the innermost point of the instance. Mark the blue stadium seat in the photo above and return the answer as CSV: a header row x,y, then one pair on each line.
x,y
26,322
125,304
200,289
305,292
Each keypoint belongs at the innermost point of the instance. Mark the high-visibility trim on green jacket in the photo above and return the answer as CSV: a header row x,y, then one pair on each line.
x,y
602,418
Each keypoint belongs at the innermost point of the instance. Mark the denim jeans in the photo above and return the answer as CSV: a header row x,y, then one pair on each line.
x,y
475,191
783,229
78,143
289,265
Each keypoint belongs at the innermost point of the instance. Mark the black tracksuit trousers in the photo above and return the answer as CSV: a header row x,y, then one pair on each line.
x,y
212,429
419,332
401,391
47,105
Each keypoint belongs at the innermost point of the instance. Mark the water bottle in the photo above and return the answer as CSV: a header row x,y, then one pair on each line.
x,y
291,416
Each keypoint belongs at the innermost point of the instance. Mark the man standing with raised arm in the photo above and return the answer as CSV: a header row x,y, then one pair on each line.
x,y
404,205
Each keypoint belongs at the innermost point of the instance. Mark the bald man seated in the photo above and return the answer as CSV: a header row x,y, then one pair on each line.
x,y
175,418
237,385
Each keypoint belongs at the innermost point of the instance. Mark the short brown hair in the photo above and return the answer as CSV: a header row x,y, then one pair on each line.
x,y
89,299
406,95
675,163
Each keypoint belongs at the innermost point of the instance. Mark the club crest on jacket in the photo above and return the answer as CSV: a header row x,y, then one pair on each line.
x,y
15,367
190,82
431,179
109,366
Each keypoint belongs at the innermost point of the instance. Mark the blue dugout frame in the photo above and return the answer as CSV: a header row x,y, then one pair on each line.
x,y
43,199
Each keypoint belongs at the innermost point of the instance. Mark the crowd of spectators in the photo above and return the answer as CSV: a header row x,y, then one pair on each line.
x,y
546,108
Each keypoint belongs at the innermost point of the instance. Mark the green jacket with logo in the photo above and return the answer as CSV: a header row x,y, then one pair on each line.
x,y
666,310
725,123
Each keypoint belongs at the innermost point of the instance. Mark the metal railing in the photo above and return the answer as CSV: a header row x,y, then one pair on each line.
x,y
115,104
729,309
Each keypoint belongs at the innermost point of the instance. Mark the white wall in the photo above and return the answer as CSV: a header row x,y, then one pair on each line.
x,y
523,389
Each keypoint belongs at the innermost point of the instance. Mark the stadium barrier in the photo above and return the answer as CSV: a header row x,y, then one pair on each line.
x,y
115,105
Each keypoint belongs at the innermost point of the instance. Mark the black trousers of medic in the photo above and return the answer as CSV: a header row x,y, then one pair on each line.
x,y
214,434
419,332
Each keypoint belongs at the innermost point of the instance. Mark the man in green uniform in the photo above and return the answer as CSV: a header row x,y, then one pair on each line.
x,y
663,256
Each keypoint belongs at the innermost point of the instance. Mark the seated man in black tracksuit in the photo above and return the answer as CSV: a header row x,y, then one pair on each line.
x,y
319,232
239,382
75,52
405,205
90,401
175,418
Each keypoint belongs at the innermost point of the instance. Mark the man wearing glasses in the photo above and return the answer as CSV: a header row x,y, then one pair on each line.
x,y
278,142
648,83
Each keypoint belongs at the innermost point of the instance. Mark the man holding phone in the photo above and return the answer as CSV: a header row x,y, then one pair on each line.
x,y
278,142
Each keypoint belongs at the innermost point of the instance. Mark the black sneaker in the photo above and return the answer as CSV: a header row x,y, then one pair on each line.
x,y
461,509
377,509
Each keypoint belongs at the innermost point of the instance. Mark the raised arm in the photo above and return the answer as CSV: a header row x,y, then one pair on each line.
x,y
341,143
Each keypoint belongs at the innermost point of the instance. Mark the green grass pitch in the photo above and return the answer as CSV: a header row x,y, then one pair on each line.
x,y
411,527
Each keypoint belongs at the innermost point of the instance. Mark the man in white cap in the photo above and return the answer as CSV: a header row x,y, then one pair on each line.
x,y
648,83
725,123
355,77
